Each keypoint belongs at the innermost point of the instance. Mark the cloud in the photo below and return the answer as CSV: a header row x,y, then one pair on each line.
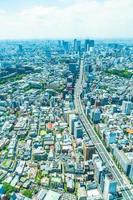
x,y
2,12
94,18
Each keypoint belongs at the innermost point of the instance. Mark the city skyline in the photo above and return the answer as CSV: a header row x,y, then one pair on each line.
x,y
66,19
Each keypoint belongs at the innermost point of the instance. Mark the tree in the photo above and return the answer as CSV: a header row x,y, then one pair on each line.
x,y
28,193
8,189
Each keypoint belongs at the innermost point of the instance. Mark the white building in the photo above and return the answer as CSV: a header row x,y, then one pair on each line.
x,y
109,187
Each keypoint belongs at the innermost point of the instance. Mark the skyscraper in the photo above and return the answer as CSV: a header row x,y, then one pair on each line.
x,y
75,44
65,45
88,44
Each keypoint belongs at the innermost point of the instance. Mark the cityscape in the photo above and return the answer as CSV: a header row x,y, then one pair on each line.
x,y
66,100
66,120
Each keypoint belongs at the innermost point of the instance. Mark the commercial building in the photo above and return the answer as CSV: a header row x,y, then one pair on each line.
x,y
123,160
110,187
88,44
88,150
127,107
95,115
72,118
78,129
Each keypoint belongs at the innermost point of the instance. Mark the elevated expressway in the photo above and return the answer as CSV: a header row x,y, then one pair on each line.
x,y
105,155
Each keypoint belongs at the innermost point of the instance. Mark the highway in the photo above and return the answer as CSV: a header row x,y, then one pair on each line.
x,y
106,157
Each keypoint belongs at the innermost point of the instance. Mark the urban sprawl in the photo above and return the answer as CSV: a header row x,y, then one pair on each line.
x,y
66,120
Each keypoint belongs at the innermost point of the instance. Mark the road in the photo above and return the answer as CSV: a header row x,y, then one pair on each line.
x,y
106,157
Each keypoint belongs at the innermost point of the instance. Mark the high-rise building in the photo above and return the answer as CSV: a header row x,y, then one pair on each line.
x,y
99,172
98,169
123,160
110,187
59,44
72,118
92,43
77,45
20,48
95,115
88,150
102,174
111,137
78,130
127,107
65,45
88,44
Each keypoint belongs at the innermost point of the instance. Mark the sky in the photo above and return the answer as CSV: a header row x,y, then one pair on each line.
x,y
54,19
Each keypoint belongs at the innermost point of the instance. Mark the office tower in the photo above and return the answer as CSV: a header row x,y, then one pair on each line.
x,y
79,46
96,114
100,171
88,44
72,118
20,48
59,44
78,130
65,45
75,45
123,160
92,43
102,175
110,186
111,137
97,169
127,107
88,150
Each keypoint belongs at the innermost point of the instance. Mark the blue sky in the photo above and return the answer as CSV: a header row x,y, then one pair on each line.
x,y
21,4
22,19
